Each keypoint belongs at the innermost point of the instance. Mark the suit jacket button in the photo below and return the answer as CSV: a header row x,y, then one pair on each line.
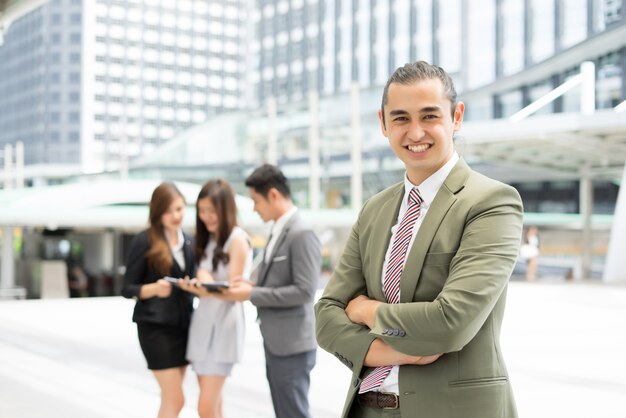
x,y
356,382
386,331
350,364
402,333
396,331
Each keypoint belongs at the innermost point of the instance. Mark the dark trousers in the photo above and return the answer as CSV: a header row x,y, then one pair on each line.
x,y
289,381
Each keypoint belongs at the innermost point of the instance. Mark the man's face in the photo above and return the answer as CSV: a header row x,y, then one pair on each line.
x,y
262,205
419,126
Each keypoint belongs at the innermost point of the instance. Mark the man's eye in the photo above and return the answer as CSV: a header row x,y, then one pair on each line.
x,y
430,117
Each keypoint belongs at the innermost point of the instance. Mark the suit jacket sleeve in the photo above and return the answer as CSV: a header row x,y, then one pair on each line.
x,y
304,254
136,266
335,332
479,272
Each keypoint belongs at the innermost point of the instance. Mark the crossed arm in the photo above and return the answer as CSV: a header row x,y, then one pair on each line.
x,y
362,311
480,265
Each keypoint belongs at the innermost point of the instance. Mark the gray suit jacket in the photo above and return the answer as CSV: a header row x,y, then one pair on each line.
x,y
285,289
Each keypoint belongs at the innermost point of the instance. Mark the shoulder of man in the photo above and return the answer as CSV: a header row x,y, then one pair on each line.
x,y
478,180
382,197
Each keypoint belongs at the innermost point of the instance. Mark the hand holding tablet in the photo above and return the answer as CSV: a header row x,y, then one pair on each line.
x,y
215,286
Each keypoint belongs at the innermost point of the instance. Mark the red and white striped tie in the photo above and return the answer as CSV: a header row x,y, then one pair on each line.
x,y
393,272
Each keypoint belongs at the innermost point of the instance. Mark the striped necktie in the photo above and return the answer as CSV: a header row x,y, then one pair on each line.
x,y
393,272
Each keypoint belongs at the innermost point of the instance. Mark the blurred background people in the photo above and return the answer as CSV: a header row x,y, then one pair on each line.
x,y
224,253
162,312
283,293
529,251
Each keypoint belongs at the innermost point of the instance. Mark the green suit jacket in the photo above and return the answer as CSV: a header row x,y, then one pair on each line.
x,y
453,291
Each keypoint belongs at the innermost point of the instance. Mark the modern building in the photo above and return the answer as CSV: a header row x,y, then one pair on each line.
x,y
87,85
327,45
544,82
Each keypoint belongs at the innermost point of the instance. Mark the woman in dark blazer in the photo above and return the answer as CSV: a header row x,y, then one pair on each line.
x,y
162,312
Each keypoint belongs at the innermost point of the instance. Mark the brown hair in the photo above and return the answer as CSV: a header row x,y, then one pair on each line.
x,y
222,197
159,255
418,71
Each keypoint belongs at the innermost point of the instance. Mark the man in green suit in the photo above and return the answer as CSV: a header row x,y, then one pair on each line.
x,y
415,305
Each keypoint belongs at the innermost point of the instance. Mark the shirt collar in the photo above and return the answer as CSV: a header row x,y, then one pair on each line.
x,y
181,240
280,223
429,187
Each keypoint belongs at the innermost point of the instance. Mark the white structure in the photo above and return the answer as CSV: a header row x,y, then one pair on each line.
x,y
615,268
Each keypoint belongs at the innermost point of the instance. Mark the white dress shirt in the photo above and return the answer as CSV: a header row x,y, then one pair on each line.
x,y
428,190
276,230
177,250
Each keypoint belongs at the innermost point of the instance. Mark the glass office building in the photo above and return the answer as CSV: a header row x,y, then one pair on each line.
x,y
502,54
91,83
326,45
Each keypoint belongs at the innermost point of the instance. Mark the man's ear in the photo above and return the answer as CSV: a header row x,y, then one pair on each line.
x,y
381,118
459,111
272,195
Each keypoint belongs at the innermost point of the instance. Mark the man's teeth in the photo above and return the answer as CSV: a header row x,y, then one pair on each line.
x,y
418,148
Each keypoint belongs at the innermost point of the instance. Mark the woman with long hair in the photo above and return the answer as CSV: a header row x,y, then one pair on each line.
x,y
223,253
162,311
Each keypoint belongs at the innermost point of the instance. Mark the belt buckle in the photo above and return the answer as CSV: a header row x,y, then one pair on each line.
x,y
396,399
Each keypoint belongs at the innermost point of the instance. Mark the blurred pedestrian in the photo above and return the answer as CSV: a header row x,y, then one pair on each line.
x,y
162,311
224,253
283,294
529,251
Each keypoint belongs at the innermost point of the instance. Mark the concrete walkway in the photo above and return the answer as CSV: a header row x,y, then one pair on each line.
x,y
565,344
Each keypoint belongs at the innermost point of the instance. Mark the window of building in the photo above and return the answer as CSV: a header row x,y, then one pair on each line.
x,y
609,81
481,44
612,11
449,36
509,103
573,22
541,29
512,51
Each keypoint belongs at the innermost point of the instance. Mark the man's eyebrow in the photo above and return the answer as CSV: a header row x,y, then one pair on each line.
x,y
398,112
429,109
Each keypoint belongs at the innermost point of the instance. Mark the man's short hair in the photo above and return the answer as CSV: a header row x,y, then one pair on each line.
x,y
418,71
266,177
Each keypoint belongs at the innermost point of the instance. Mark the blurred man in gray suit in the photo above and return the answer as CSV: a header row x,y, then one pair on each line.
x,y
283,293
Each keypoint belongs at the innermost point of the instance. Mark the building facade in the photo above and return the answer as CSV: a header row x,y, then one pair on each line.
x,y
327,45
94,83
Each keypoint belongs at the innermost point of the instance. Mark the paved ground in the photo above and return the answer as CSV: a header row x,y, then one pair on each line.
x,y
565,344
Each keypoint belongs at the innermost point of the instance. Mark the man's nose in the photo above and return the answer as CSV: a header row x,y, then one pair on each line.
x,y
415,132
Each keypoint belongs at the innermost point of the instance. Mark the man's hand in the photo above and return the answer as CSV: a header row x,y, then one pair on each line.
x,y
424,360
237,292
362,310
382,354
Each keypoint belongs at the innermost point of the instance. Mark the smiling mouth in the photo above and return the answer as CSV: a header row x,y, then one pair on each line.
x,y
418,147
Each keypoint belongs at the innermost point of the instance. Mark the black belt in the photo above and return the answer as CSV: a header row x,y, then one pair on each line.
x,y
379,400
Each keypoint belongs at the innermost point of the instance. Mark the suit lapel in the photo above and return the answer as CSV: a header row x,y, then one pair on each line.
x,y
189,261
381,233
177,270
442,203
265,266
